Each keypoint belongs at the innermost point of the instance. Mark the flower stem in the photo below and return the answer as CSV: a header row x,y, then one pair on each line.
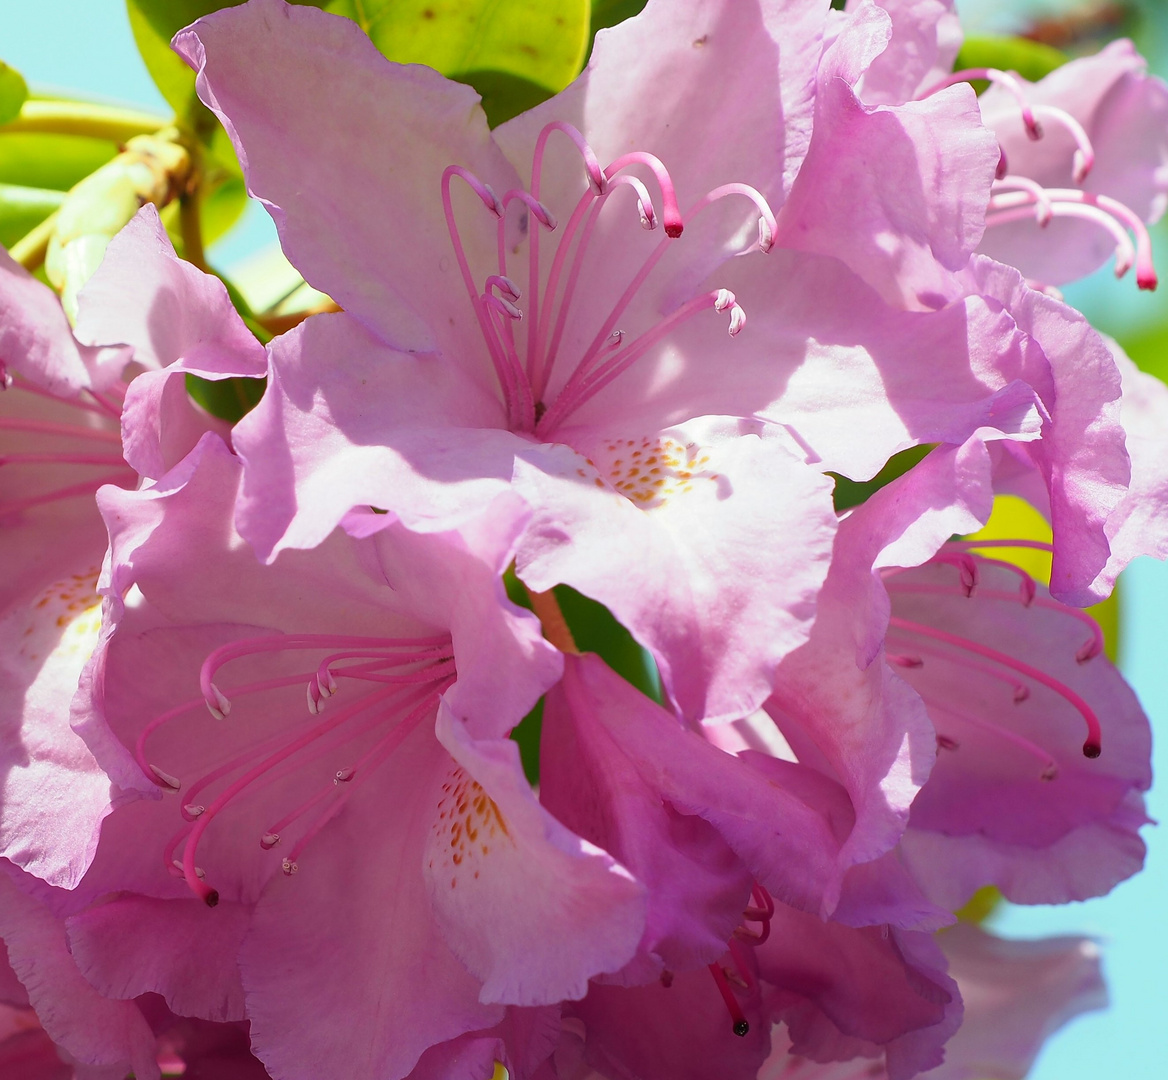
x,y
30,249
555,626
83,118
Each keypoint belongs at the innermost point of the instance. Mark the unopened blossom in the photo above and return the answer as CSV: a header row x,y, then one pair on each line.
x,y
64,400
509,324
352,794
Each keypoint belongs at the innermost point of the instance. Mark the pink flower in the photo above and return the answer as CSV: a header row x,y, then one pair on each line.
x,y
460,894
1016,993
1068,199
65,396
610,405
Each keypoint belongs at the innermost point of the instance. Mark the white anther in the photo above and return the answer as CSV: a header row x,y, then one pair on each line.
x,y
329,686
1021,693
218,704
313,695
500,304
723,300
269,840
1050,772
5,378
497,209
614,340
289,867
506,287
165,778
766,239
737,320
544,216
193,810
200,873
176,867
343,776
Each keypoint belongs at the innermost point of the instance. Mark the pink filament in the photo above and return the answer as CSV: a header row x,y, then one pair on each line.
x,y
47,427
1094,741
1003,79
737,1016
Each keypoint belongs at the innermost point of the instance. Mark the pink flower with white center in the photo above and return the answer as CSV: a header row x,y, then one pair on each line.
x,y
64,399
394,779
1084,163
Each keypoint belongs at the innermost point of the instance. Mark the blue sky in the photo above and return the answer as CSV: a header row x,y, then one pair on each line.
x,y
86,45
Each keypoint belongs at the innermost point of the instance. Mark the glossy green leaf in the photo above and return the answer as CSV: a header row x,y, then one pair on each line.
x,y
154,23
1149,349
22,209
50,161
13,92
849,493
228,399
1030,59
538,43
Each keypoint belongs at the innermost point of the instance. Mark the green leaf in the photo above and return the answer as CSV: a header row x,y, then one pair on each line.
x,y
50,161
228,399
849,493
22,209
1030,59
1149,350
13,92
154,23
508,50
527,734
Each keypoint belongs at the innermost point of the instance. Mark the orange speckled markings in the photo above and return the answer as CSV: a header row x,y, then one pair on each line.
x,y
651,470
469,824
70,610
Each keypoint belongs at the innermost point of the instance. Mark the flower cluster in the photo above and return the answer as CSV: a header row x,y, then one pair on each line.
x,y
263,809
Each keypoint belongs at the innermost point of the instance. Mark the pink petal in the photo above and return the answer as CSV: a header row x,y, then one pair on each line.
x,y
341,144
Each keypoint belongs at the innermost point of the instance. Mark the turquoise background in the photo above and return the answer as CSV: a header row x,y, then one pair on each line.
x,y
86,45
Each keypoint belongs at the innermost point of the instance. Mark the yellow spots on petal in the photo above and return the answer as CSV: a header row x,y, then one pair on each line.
x,y
64,621
650,471
469,825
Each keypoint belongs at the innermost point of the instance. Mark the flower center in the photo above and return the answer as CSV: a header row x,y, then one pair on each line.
x,y
525,381
396,685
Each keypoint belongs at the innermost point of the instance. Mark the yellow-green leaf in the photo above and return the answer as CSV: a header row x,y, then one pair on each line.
x,y
13,92
1030,59
22,209
511,49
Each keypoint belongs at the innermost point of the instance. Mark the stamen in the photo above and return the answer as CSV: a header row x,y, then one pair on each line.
x,y
1049,765
738,1017
670,211
87,487
644,200
1003,79
46,427
1112,214
1084,158
1091,747
167,781
6,379
1042,208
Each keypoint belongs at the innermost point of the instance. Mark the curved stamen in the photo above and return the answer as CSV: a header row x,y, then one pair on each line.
x,y
1021,691
427,648
1125,252
768,226
1084,159
208,895
670,211
1042,208
579,390
737,1016
1005,79
1094,742
1049,765
644,199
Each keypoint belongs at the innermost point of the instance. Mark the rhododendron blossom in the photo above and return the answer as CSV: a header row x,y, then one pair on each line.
x,y
582,663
